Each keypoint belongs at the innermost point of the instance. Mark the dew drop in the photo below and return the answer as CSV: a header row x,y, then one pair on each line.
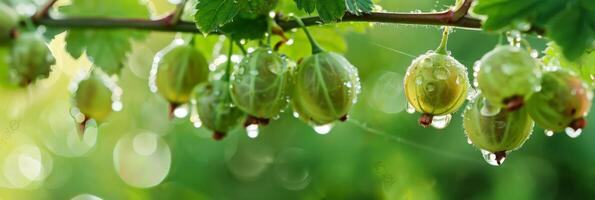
x,y
252,130
430,87
410,108
573,133
441,73
534,53
488,110
441,122
492,158
469,141
549,133
194,117
117,106
296,114
323,129
181,111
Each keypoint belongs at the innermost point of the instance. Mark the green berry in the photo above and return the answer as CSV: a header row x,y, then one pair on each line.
x,y
508,76
436,84
93,97
179,69
499,133
259,84
8,22
30,59
325,88
214,108
563,101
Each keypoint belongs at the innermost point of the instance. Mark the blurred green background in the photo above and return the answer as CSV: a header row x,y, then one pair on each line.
x,y
379,153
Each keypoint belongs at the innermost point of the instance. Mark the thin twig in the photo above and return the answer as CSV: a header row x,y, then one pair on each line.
x,y
457,18
43,12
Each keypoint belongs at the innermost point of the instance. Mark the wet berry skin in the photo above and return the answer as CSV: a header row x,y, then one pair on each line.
x,y
563,101
214,108
500,133
436,84
325,88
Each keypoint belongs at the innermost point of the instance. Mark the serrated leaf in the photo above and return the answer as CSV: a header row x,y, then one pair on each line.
x,y
212,14
107,49
358,7
246,28
331,10
307,5
571,24
571,29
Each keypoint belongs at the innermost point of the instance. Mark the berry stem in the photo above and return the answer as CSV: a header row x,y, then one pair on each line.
x,y
239,44
443,42
227,74
315,46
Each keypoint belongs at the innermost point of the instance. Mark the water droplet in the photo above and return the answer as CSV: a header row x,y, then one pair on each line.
x,y
181,111
410,108
252,130
549,133
430,87
441,122
573,133
534,53
492,158
469,141
296,114
419,80
323,129
117,106
488,110
441,73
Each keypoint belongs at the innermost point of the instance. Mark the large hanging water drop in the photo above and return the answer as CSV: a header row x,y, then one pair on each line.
x,y
572,133
252,130
410,108
441,122
323,129
181,111
495,159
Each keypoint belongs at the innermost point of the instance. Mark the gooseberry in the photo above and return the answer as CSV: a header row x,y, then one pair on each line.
x,y
93,97
497,134
30,59
508,76
436,84
562,102
259,84
177,70
214,108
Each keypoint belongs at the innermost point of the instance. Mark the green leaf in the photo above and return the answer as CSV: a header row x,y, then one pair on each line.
x,y
307,5
107,49
328,10
327,36
246,28
571,24
212,14
572,30
358,7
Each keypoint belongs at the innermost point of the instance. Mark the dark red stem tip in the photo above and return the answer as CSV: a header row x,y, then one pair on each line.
x,y
500,156
343,119
579,123
255,120
426,120
514,103
172,108
218,136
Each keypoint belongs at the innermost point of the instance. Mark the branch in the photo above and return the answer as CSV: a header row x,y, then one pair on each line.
x,y
456,18
43,12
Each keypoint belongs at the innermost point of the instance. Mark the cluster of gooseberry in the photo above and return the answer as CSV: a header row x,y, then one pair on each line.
x,y
513,91
321,89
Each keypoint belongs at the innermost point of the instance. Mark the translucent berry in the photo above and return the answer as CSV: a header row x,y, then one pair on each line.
x,y
214,108
496,135
508,76
436,84
93,96
562,102
325,86
30,59
259,84
177,70
8,23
